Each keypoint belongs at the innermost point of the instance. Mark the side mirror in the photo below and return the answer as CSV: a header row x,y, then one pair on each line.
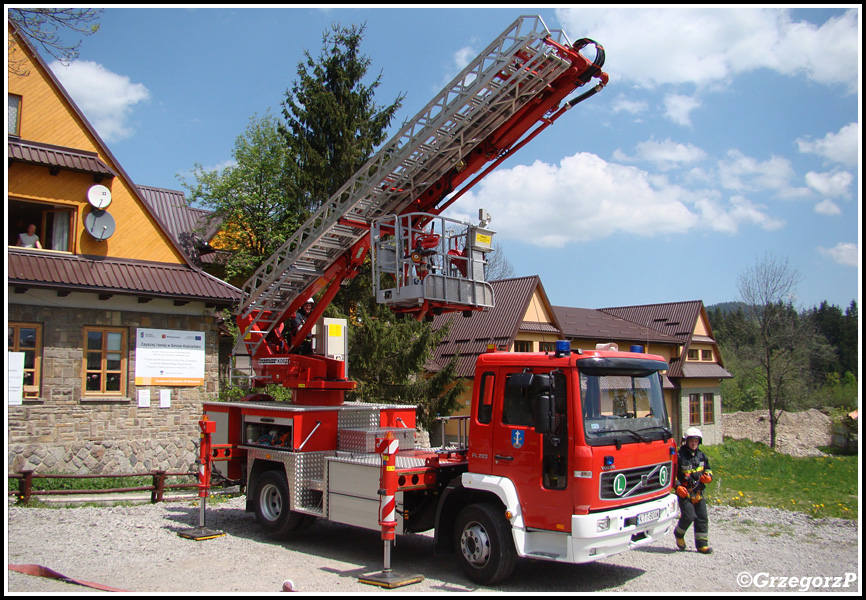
x,y
543,403
520,380
544,413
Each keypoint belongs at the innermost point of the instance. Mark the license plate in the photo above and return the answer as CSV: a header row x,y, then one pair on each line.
x,y
648,517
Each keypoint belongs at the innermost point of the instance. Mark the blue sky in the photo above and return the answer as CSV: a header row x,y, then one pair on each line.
x,y
725,134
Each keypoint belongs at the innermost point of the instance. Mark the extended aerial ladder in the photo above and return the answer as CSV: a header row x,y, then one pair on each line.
x,y
514,89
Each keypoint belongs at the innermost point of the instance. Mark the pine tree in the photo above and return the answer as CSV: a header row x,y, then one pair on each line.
x,y
332,127
332,122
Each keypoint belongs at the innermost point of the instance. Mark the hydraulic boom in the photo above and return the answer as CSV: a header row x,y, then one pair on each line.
x,y
518,86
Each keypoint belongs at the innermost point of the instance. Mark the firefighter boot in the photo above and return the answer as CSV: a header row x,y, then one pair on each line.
x,y
702,544
680,537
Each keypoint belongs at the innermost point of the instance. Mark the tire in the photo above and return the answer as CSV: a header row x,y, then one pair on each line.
x,y
271,503
483,544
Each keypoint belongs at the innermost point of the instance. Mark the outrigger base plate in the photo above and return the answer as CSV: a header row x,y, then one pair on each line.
x,y
200,533
390,579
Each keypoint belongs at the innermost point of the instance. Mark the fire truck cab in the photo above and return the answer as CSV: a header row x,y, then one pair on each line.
x,y
572,456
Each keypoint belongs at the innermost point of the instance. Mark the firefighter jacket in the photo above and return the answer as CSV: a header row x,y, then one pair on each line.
x,y
690,467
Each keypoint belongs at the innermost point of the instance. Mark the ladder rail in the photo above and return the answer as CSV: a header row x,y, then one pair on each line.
x,y
506,76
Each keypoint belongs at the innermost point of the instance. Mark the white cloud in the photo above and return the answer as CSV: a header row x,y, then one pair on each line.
x,y
842,147
746,174
832,185
708,45
105,98
842,253
622,104
664,155
586,199
828,207
464,56
678,108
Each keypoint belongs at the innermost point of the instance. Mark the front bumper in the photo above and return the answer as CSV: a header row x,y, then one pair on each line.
x,y
602,534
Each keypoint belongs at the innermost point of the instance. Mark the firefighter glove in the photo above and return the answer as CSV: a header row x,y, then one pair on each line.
x,y
682,492
706,478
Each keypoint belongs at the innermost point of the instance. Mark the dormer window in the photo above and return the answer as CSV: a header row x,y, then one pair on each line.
x,y
14,114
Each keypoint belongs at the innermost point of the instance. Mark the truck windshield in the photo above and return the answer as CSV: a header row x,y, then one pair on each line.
x,y
622,406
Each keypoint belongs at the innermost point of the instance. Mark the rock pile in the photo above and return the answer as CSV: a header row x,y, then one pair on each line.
x,y
797,433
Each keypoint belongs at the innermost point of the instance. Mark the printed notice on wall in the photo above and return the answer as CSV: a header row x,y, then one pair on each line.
x,y
169,357
15,381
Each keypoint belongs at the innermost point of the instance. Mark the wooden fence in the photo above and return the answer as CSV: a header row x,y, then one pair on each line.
x,y
157,489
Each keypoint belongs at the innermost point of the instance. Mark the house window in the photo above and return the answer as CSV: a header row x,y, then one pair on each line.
x,y
546,347
522,346
693,355
706,355
709,409
14,114
694,409
27,338
55,224
105,357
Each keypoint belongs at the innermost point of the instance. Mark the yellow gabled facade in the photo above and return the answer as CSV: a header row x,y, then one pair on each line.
x,y
43,114
538,312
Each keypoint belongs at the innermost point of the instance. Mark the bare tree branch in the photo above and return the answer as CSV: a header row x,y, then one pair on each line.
x,y
43,25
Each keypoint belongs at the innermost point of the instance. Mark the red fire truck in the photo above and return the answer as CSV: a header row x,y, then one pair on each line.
x,y
566,456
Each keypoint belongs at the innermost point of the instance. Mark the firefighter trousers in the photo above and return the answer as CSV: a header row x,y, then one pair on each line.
x,y
697,514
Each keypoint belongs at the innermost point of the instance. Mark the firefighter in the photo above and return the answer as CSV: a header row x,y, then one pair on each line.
x,y
298,321
693,474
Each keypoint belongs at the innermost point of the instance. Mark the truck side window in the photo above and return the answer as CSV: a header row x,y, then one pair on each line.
x,y
517,406
485,398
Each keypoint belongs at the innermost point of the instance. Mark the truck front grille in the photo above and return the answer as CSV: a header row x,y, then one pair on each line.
x,y
630,483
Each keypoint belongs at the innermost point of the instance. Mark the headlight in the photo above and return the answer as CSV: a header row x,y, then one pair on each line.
x,y
602,525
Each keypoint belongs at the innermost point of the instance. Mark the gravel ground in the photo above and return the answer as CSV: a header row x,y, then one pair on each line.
x,y
137,548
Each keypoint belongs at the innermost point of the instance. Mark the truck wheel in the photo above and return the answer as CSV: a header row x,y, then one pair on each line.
x,y
484,546
271,499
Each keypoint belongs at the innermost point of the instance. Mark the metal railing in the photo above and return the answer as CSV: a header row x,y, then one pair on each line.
x,y
462,439
157,488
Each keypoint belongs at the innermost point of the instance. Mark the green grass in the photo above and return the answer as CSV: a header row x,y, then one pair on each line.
x,y
751,474
97,483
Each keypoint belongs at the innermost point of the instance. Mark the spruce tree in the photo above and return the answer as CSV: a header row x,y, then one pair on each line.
x,y
332,127
332,124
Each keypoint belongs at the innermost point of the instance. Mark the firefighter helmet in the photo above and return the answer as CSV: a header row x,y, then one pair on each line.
x,y
694,432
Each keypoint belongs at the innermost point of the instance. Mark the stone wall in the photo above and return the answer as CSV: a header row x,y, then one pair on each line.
x,y
65,432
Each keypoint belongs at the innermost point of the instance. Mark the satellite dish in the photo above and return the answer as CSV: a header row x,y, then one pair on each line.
x,y
99,196
99,224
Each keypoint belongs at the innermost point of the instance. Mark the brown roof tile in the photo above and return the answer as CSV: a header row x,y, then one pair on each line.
x,y
57,157
469,337
674,318
597,324
36,268
706,370
178,217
